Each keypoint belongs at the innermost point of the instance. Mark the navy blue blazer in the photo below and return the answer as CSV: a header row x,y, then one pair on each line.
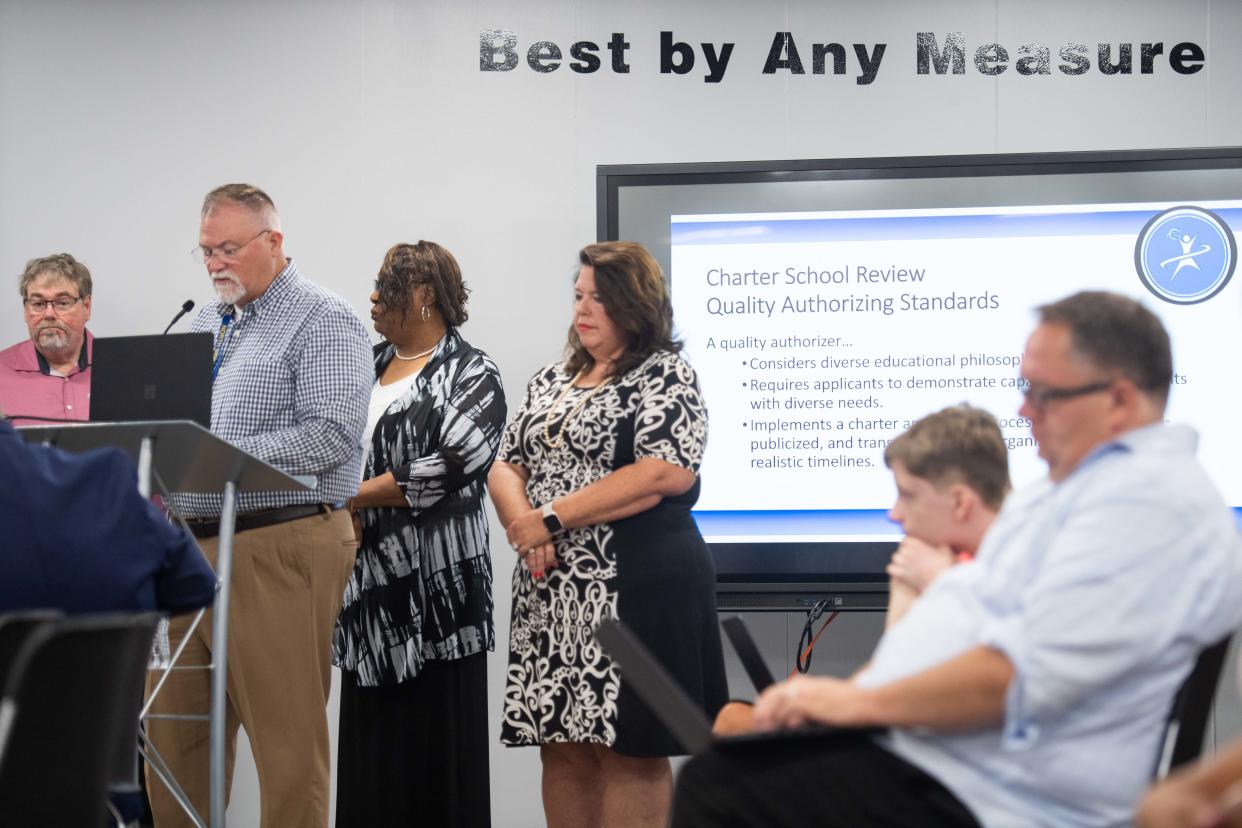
x,y
76,535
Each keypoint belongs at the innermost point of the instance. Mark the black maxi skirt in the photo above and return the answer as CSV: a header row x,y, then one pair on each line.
x,y
415,753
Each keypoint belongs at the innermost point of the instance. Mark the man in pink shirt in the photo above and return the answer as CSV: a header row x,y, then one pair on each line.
x,y
48,377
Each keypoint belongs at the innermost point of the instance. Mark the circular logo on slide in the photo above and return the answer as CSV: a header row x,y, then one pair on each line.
x,y
1185,255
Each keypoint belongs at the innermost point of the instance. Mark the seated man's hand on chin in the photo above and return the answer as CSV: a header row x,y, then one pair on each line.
x,y
916,563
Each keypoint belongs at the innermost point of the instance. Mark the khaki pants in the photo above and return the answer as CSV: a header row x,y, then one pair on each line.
x,y
286,592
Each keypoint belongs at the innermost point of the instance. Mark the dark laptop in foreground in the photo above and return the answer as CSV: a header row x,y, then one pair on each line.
x,y
162,377
674,708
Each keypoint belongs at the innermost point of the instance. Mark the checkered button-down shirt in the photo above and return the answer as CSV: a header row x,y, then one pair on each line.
x,y
292,389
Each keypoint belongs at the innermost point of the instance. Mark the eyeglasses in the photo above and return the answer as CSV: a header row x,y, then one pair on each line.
x,y
61,304
227,251
1038,396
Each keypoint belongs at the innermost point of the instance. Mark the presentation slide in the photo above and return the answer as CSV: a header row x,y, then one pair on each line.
x,y
818,337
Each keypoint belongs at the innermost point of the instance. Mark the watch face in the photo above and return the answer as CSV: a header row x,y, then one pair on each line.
x,y
550,521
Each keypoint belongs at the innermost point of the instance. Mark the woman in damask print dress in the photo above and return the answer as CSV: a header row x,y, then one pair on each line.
x,y
594,481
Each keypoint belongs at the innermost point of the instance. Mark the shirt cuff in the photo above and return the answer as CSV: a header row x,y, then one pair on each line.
x,y
1019,730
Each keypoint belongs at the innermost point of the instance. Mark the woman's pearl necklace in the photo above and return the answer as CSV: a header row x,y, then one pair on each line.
x,y
397,353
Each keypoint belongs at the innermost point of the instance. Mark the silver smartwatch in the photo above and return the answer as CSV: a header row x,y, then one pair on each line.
x,y
550,520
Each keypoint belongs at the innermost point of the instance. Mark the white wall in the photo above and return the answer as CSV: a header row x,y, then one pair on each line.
x,y
370,122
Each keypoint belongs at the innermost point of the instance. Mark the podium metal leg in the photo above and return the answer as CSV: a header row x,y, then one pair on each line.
x,y
156,763
146,451
220,652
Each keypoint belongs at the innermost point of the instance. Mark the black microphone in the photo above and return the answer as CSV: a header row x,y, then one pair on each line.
x,y
185,308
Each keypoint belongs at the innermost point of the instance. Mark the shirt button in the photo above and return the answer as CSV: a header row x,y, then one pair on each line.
x,y
68,407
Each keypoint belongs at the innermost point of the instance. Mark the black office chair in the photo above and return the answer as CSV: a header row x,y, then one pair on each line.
x,y
1186,727
123,781
14,628
64,707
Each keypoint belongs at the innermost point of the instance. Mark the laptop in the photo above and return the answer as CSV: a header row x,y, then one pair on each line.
x,y
672,706
160,377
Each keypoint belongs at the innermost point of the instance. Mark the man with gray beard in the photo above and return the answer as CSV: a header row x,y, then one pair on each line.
x,y
48,376
291,377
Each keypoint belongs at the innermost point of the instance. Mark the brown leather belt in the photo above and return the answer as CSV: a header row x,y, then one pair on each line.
x,y
210,527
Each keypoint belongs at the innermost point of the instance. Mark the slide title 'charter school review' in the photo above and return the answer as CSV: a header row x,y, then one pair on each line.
x,y
758,305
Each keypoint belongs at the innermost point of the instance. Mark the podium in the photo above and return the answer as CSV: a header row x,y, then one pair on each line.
x,y
184,457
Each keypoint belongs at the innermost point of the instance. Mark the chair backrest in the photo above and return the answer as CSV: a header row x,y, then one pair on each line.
x,y
1187,724
14,627
66,698
135,658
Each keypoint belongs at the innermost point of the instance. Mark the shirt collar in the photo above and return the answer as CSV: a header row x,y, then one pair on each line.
x,y
1154,437
45,367
447,346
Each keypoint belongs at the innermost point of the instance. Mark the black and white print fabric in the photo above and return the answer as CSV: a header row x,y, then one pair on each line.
x,y
421,587
560,685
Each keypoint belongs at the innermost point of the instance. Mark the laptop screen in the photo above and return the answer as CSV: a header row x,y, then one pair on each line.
x,y
161,377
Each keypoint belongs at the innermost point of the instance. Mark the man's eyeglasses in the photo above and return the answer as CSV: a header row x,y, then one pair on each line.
x,y
61,304
1040,395
227,251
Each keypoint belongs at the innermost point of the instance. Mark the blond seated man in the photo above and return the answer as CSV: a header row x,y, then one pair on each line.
x,y
952,474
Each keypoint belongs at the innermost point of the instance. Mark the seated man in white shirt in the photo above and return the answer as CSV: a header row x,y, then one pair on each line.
x,y
1031,687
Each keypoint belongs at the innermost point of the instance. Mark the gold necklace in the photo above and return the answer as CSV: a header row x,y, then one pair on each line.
x,y
573,412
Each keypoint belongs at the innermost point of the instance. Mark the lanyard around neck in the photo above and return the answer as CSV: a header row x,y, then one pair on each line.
x,y
221,338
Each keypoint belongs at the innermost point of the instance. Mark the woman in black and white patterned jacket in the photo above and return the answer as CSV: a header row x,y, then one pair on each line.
x,y
416,618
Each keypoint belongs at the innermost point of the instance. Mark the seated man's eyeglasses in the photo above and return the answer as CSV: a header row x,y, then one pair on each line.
x,y
227,251
61,304
1040,396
